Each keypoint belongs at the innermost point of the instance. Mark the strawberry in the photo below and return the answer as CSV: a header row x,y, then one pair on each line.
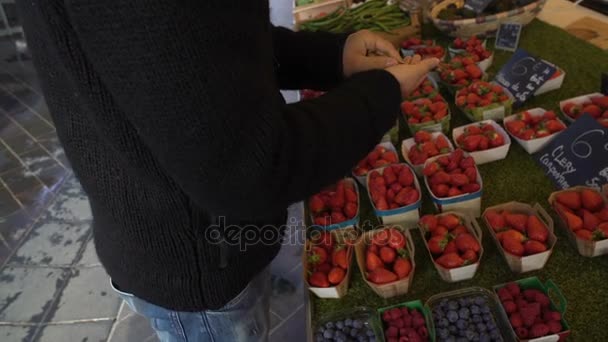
x,y
387,255
440,231
495,220
317,255
316,204
473,71
513,288
534,247
428,222
396,239
554,327
450,260
515,126
471,143
538,330
469,256
516,320
584,234
467,162
402,267
324,239
406,177
453,192
459,179
603,214
570,199
422,136
521,332
350,210
509,306
554,125
318,279
511,234
380,238
496,139
450,221
459,230
381,204
466,241
536,229
451,247
590,221
513,246
430,169
336,275
337,217
591,200
390,156
517,221
437,244
440,190
442,144
593,110
574,222
339,258
373,262
381,276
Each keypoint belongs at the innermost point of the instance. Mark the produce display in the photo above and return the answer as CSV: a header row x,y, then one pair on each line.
x,y
480,98
519,234
425,89
425,111
527,126
596,106
328,260
472,47
386,257
414,42
468,318
335,204
379,157
392,187
374,15
460,71
427,147
403,324
479,137
452,175
584,212
431,51
529,311
346,330
450,241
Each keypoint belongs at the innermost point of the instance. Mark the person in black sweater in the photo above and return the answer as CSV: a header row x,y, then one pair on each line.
x,y
171,116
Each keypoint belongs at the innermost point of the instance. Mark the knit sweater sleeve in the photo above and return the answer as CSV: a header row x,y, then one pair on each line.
x,y
308,60
196,82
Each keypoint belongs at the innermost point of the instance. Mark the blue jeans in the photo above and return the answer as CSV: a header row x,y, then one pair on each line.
x,y
246,318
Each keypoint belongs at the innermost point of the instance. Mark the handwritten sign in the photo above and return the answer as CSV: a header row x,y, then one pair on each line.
x,y
523,75
507,37
578,155
476,6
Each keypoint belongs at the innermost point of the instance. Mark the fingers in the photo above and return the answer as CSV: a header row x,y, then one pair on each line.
x,y
416,59
385,48
375,62
407,60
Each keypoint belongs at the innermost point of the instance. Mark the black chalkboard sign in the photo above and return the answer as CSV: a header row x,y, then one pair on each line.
x,y
578,155
507,37
476,6
523,75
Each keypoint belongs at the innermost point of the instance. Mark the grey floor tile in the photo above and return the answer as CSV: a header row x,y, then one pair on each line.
x,y
33,123
20,180
89,257
8,161
52,242
292,330
274,320
45,167
20,143
287,292
8,205
71,203
84,332
87,295
132,327
16,333
26,293
7,102
14,227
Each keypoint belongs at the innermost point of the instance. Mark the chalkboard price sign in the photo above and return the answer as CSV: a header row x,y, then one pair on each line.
x,y
507,37
578,155
523,75
476,6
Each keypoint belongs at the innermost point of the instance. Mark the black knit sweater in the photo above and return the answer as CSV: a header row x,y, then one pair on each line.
x,y
171,116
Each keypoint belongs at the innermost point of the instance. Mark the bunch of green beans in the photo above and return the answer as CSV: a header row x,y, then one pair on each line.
x,y
374,15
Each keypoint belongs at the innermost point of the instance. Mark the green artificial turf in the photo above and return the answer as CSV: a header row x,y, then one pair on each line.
x,y
583,281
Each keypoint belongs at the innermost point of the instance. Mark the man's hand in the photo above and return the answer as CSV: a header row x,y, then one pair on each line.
x,y
365,50
412,72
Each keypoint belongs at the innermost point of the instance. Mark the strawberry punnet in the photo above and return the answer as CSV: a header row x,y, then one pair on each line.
x,y
479,137
452,175
380,156
584,212
392,187
528,127
427,147
334,204
386,257
596,106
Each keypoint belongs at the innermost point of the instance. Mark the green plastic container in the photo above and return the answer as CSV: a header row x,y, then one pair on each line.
x,y
369,316
415,304
549,285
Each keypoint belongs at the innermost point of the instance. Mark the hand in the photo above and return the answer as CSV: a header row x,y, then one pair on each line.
x,y
412,72
365,50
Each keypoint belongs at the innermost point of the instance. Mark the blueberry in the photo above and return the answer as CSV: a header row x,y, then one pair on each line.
x,y
481,327
354,332
491,325
488,318
340,339
328,333
319,337
330,325
438,312
453,329
450,339
495,335
358,324
462,339
321,329
472,327
362,338
452,316
485,309
480,301
461,324
463,313
470,335
476,319
462,333
443,323
475,310
443,302
348,322
453,305
372,339
340,324
484,337
443,333
370,332
462,302
346,330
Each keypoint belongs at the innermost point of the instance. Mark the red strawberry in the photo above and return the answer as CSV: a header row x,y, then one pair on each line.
x,y
459,179
504,295
396,239
538,330
440,231
554,126
592,110
509,306
390,156
336,275
466,241
442,144
471,174
496,220
554,326
382,276
602,214
536,229
381,204
406,177
513,246
450,260
473,71
402,267
517,221
318,279
372,262
450,221
337,217
440,190
316,204
430,169
516,320
471,142
511,234
590,221
428,222
437,244
552,316
591,200
317,255
496,139
521,332
387,254
574,222
422,136
534,247
454,191
339,258
584,234
513,288
570,199
467,162
350,210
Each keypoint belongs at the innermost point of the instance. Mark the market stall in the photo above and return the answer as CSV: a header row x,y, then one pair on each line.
x,y
493,274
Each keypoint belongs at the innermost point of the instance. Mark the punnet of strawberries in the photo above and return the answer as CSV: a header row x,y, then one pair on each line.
x,y
596,106
452,175
480,137
529,311
425,89
403,324
481,94
335,204
328,260
380,156
473,47
386,257
425,110
460,71
393,187
584,212
416,42
519,234
529,127
427,147
436,51
450,241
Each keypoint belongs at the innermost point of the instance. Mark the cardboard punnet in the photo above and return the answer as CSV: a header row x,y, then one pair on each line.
x,y
553,83
407,144
491,154
534,145
483,64
363,179
351,223
495,111
414,305
577,100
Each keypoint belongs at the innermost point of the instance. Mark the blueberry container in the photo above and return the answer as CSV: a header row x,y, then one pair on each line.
x,y
367,317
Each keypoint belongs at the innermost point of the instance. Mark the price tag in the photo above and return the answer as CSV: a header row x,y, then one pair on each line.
x,y
578,155
523,75
476,6
507,37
